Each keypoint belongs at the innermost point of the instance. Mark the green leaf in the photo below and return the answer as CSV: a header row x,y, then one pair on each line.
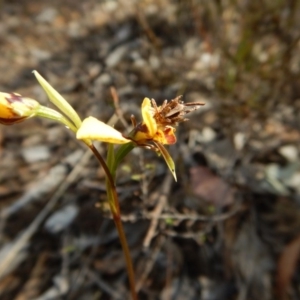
x,y
121,152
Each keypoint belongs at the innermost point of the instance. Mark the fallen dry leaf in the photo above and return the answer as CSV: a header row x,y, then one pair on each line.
x,y
210,187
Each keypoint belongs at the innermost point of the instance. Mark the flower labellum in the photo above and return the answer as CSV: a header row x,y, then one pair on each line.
x,y
92,128
14,108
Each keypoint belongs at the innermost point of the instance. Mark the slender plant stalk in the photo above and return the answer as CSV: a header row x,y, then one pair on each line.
x,y
115,209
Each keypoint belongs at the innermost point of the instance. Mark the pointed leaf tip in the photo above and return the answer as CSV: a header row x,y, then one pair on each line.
x,y
168,159
58,100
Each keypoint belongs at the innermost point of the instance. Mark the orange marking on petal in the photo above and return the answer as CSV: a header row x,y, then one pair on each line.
x,y
169,134
160,137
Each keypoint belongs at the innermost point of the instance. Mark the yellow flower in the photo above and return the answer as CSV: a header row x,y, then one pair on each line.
x,y
151,130
159,121
14,108
156,129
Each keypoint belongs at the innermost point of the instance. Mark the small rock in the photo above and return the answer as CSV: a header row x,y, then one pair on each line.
x,y
289,152
239,140
123,34
94,70
140,63
191,48
154,62
272,178
40,54
295,182
76,30
206,61
116,56
35,153
33,140
207,135
61,218
103,79
74,157
220,154
47,15
55,134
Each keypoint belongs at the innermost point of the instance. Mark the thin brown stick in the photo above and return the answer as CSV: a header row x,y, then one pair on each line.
x,y
149,263
166,187
103,285
147,29
165,191
118,109
182,217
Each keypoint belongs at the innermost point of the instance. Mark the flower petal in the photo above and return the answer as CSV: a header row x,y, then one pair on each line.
x,y
140,133
93,129
168,158
147,113
58,100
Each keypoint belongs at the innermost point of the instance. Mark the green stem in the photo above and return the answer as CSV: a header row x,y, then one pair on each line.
x,y
115,209
46,112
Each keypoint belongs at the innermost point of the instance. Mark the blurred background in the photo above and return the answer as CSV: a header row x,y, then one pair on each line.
x,y
230,227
